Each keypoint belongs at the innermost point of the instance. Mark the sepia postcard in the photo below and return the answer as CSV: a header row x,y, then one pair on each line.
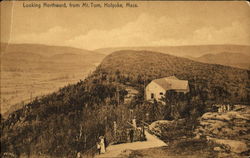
x,y
125,79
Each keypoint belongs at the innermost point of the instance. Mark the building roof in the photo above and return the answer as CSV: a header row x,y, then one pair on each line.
x,y
172,83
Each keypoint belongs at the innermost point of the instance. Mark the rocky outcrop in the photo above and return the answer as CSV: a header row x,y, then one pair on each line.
x,y
169,130
230,128
160,126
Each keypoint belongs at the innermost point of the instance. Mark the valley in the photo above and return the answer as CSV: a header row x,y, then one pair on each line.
x,y
29,71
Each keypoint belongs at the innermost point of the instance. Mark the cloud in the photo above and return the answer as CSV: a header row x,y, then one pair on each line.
x,y
155,31
235,33
55,35
138,32
146,30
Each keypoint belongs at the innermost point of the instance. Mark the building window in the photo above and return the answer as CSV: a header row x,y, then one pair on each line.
x,y
161,93
152,96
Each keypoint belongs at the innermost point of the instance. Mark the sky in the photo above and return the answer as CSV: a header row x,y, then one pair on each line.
x,y
150,24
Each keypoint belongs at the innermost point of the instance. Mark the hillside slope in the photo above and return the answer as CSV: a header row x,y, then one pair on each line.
x,y
62,123
214,81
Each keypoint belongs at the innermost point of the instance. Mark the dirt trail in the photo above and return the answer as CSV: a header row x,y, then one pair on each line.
x,y
116,150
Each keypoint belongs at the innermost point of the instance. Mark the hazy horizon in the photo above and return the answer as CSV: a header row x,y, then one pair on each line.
x,y
129,46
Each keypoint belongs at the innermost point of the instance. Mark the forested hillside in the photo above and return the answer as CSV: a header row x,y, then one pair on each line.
x,y
210,81
64,122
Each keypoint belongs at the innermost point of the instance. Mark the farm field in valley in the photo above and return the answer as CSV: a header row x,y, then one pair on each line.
x,y
27,73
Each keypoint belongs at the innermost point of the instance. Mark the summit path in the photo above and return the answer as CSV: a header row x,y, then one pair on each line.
x,y
115,150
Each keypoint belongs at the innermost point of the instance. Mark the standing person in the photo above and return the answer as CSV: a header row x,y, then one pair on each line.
x,y
102,145
105,142
222,108
78,155
140,134
143,132
98,147
115,129
131,135
219,110
134,123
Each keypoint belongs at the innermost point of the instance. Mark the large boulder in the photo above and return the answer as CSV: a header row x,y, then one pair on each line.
x,y
157,126
229,128
227,125
169,130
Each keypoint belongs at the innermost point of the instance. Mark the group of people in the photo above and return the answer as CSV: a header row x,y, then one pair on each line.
x,y
132,134
101,145
224,108
137,134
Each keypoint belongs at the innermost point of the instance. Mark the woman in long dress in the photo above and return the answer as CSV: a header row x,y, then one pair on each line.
x,y
102,144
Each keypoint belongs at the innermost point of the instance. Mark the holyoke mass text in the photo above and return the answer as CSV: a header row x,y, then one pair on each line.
x,y
79,5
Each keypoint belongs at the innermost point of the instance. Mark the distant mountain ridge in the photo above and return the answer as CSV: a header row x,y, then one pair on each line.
x,y
45,55
188,50
226,58
214,54
45,50
229,55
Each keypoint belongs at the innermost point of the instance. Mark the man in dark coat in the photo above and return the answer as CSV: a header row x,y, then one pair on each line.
x,y
131,135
